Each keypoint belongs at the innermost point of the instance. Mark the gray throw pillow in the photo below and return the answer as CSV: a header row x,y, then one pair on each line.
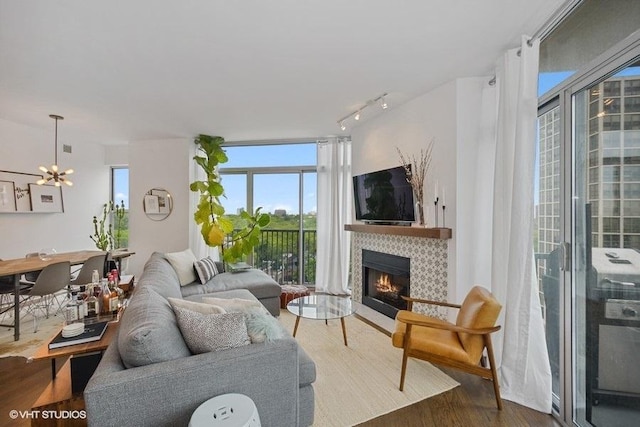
x,y
211,332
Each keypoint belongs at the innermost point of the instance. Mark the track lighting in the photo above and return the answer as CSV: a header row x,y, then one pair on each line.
x,y
356,114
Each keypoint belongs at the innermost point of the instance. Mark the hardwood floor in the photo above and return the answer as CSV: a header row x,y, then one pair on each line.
x,y
472,403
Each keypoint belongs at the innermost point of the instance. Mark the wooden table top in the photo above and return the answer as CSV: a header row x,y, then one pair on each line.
x,y
25,265
43,351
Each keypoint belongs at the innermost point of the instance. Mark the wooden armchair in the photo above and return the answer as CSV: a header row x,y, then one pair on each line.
x,y
458,345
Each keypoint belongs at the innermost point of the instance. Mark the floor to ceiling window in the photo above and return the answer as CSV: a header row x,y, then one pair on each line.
x,y
587,238
281,180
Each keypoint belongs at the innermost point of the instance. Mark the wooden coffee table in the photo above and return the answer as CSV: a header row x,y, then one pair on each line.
x,y
59,389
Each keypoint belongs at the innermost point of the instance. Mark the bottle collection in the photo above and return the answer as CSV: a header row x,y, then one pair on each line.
x,y
102,296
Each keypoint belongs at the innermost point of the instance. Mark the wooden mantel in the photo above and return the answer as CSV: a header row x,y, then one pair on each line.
x,y
433,233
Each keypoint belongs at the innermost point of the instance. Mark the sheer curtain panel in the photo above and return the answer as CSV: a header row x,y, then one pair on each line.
x,y
334,211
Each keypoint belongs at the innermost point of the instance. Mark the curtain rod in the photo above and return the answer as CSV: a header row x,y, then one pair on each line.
x,y
550,25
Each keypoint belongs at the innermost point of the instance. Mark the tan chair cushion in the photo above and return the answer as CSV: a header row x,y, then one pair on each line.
x,y
479,310
430,340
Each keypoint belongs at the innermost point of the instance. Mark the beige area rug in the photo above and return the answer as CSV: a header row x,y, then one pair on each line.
x,y
360,382
29,341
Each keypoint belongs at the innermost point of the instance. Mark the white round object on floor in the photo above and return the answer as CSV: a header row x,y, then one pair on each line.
x,y
226,410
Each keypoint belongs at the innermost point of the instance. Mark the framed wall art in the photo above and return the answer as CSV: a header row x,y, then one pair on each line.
x,y
21,183
7,196
46,198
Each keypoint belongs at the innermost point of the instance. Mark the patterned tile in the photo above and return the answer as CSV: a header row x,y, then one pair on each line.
x,y
428,265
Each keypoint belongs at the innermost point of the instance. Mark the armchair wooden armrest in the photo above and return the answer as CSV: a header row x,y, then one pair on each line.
x,y
410,302
419,320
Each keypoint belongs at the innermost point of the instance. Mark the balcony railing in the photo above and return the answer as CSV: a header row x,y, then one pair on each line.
x,y
280,255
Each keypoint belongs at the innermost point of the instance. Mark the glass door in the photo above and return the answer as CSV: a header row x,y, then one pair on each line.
x,y
547,236
606,251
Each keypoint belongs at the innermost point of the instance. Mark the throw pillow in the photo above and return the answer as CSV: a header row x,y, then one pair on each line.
x,y
236,305
211,332
206,269
262,327
182,263
196,306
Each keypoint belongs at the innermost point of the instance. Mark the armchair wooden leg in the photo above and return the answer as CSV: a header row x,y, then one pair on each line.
x,y
404,369
494,373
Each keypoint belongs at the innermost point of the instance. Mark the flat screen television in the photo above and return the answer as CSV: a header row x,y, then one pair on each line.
x,y
384,197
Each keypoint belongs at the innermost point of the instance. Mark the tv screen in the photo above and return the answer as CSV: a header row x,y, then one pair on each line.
x,y
384,196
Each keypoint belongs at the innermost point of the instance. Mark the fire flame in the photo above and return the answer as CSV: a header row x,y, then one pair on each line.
x,y
384,285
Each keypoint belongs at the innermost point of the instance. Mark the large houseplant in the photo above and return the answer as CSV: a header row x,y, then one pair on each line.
x,y
215,228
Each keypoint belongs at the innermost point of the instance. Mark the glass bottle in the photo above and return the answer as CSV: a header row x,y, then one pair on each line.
x,y
95,277
71,310
93,308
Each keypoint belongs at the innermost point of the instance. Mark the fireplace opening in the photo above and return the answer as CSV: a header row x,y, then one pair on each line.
x,y
385,279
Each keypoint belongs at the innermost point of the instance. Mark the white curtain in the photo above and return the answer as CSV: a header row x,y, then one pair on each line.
x,y
521,350
334,211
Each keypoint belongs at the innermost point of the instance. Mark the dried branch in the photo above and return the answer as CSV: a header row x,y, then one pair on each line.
x,y
416,175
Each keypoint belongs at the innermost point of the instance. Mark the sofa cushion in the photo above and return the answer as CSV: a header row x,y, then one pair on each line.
x,y
236,305
148,331
211,332
182,262
161,276
255,281
195,306
205,269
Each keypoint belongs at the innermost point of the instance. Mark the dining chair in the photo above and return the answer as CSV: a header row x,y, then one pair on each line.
x,y
53,278
30,278
84,275
460,345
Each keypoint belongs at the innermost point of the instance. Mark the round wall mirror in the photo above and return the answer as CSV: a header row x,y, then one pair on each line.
x,y
157,204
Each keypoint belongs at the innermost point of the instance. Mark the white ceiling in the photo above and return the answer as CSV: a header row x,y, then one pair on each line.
x,y
122,70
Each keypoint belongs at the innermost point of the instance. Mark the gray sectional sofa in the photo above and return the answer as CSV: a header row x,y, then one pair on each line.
x,y
148,377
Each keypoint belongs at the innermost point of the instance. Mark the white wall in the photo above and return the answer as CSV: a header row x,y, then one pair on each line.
x,y
158,164
23,149
450,115
410,127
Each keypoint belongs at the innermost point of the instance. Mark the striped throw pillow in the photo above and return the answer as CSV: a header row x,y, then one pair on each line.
x,y
206,269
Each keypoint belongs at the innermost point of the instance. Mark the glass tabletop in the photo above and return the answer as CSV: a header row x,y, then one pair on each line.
x,y
322,307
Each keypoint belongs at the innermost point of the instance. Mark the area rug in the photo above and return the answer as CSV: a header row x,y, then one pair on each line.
x,y
29,341
360,382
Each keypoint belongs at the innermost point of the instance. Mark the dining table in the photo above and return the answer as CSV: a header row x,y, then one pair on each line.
x,y
19,266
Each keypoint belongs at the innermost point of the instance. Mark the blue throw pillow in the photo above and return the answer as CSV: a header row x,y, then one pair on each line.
x,y
262,327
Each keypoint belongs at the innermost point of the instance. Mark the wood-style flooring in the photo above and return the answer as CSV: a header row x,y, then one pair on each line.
x,y
470,404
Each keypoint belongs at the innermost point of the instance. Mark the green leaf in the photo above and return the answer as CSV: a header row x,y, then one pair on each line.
x,y
264,220
225,224
215,189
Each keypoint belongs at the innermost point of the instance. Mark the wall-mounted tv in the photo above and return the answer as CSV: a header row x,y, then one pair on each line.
x,y
384,197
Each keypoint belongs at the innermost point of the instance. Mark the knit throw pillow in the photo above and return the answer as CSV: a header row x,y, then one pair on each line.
x,y
211,332
205,268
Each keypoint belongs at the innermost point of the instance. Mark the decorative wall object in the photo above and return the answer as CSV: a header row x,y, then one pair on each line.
x,y
163,200
7,196
46,198
21,183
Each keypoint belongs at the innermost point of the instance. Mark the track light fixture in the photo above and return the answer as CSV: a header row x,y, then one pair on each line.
x,y
357,113
57,177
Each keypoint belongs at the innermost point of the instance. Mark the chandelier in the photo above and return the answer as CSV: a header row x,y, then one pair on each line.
x,y
53,174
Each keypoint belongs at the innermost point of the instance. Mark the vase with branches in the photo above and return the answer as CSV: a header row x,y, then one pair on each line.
x,y
416,175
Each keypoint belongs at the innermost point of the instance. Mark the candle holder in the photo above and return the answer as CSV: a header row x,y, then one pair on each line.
x,y
444,225
435,203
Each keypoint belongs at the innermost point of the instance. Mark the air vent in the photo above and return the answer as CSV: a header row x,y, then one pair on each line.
x,y
66,148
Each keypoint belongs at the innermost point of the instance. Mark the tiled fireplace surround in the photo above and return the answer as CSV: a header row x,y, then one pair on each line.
x,y
428,262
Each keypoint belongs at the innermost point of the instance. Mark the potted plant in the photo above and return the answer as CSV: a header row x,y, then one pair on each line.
x,y
105,236
215,228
